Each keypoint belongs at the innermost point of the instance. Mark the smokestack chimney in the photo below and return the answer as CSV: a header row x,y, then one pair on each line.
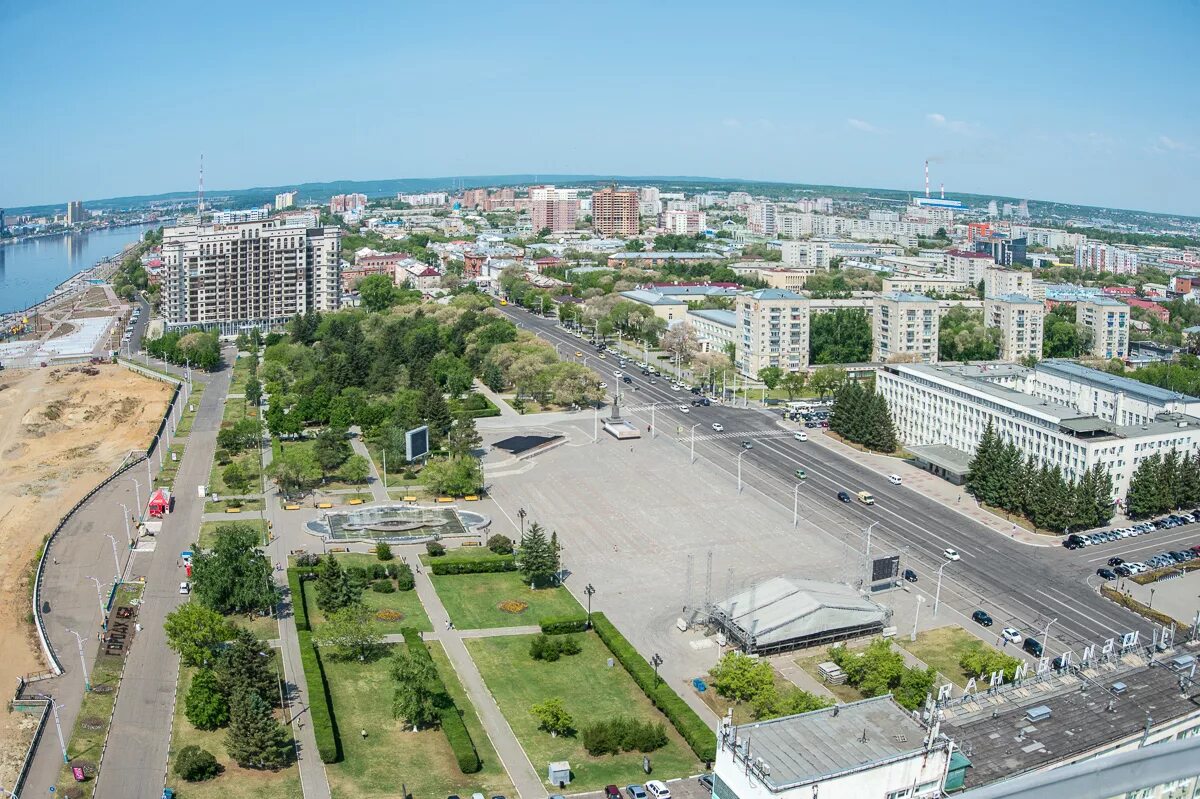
x,y
943,191
926,178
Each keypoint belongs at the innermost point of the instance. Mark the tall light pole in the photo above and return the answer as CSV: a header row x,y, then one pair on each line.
x,y
796,504
100,599
917,615
87,683
116,560
137,493
656,661
149,479
385,473
1046,634
588,590
693,454
937,597
58,727
741,455
596,424
867,553
521,515
128,534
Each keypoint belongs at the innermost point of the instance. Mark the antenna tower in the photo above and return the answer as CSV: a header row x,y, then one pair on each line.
x,y
200,196
926,178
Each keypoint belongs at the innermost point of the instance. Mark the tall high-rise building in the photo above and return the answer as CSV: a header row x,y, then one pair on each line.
x,y
347,203
1097,256
1019,319
285,200
761,219
1107,321
75,212
552,208
615,212
772,330
248,274
905,328
649,202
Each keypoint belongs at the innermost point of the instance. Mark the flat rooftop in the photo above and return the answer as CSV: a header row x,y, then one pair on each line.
x,y
1007,744
813,746
1094,377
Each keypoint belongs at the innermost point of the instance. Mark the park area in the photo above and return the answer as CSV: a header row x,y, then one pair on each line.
x,y
392,611
944,649
591,691
500,599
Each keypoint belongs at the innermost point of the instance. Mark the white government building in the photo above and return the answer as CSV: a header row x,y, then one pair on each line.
x,y
1060,412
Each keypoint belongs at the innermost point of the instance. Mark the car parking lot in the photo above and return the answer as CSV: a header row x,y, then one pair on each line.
x,y
1145,546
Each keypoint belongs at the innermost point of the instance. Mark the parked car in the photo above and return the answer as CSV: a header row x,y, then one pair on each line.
x,y
185,587
982,618
636,792
658,790
612,792
706,781
1012,635
1107,574
1115,561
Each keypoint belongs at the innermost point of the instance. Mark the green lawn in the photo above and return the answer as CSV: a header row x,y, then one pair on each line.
x,y
942,648
406,602
472,600
591,691
244,504
241,373
186,419
457,553
845,693
234,782
391,754
170,468
208,530
251,463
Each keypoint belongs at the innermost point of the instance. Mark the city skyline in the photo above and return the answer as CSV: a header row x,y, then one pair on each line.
x,y
861,108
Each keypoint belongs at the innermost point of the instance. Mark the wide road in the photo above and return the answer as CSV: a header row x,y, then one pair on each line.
x,y
1019,585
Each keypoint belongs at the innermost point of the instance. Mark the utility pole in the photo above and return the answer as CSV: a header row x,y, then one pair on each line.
x,y
937,597
741,455
796,505
87,683
58,727
916,615
128,534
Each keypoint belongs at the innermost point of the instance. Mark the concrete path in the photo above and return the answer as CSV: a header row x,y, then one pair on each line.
x,y
506,410
136,760
524,778
492,632
378,492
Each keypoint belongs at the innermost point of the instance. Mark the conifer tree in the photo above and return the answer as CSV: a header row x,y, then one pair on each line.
x,y
255,738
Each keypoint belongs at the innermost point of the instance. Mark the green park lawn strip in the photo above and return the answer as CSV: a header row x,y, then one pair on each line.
x,y
220,506
493,770
391,754
208,530
473,600
251,463
170,468
241,373
456,554
406,602
234,411
188,417
942,648
234,782
591,692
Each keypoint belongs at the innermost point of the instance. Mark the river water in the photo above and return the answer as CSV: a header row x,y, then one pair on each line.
x,y
31,269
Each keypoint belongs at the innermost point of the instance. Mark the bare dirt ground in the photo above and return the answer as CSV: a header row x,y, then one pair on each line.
x,y
62,431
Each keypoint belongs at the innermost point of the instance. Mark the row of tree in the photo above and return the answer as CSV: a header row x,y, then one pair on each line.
x,y
1163,483
196,348
862,415
741,678
1000,477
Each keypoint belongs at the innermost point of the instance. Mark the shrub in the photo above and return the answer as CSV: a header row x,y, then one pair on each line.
x,y
391,570
404,577
481,565
558,625
623,734
299,611
500,544
195,764
383,587
383,551
543,647
699,735
320,707
205,706
456,732
308,559
553,717
435,549
356,573
376,571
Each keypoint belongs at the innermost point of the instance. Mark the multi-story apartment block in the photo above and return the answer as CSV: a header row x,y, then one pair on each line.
x,y
249,274
1059,412
684,223
649,201
1004,250
431,198
240,215
1019,319
552,208
715,329
772,331
967,266
761,219
615,212
905,328
1096,256
998,280
347,203
1107,322
75,213
285,200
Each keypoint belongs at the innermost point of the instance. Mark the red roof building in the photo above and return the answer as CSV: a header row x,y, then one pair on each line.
x,y
1156,310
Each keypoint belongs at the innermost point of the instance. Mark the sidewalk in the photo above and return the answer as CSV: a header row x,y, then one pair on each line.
x,y
524,778
506,410
378,492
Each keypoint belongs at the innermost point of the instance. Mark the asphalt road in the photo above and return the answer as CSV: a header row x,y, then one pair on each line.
x,y
1018,585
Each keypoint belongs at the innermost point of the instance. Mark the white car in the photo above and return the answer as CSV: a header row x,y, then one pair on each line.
x,y
894,479
185,587
616,373
673,388
720,428
658,790
684,409
1012,635
950,554
604,385
800,435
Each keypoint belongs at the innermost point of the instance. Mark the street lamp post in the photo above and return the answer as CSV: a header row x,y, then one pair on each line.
x,y
656,661
937,597
149,479
128,534
692,457
596,424
521,515
920,601
796,504
1046,634
87,683
588,590
741,455
116,560
58,727
137,492
100,600
385,471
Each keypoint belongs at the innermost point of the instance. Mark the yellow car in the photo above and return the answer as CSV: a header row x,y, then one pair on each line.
x,y
578,354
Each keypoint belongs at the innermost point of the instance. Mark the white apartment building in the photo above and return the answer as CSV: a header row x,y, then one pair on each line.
x,y
649,202
242,215
909,283
1097,256
967,265
1019,319
285,200
819,253
248,274
716,329
761,219
905,327
429,198
941,412
1048,237
772,331
872,749
997,281
737,198
1107,321
684,223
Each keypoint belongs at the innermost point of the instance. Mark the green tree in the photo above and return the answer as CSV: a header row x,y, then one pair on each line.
x,y
793,383
1145,496
770,376
770,703
331,450
962,336
452,476
349,633
195,764
982,470
255,739
196,632
245,666
826,380
295,470
333,588
235,478
740,677
253,391
378,292
914,686
235,576
206,706
356,470
843,336
552,716
383,551
417,687
535,557
463,438
984,661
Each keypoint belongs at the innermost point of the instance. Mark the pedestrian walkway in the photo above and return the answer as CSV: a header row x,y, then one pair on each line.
x,y
506,410
524,778
378,492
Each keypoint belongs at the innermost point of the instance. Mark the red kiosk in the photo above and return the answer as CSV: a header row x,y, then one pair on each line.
x,y
160,503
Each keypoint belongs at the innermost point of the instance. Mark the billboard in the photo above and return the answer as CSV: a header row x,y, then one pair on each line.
x,y
416,443
885,572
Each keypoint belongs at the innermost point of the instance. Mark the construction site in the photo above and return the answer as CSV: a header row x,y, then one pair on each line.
x,y
79,325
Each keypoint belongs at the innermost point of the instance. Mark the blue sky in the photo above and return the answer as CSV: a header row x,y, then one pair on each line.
x,y
1081,102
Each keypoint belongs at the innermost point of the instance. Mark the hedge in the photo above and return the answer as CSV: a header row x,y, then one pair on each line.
x,y
699,736
560,625
320,705
450,716
480,565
